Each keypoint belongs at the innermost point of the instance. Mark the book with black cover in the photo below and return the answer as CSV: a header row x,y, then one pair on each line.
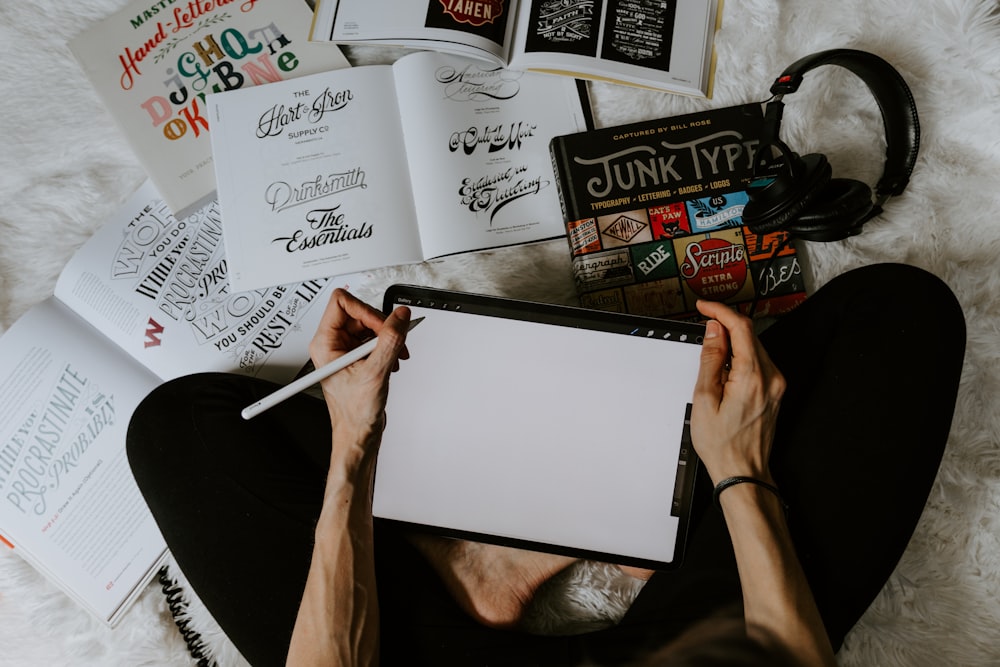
x,y
653,217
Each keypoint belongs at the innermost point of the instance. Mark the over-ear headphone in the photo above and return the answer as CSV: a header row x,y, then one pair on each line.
x,y
804,199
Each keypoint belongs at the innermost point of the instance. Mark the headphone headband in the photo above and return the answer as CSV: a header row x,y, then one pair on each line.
x,y
894,99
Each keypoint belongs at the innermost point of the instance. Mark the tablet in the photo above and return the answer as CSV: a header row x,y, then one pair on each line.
x,y
542,427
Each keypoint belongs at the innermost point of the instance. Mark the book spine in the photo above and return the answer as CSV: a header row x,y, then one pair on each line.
x,y
563,176
564,187
567,195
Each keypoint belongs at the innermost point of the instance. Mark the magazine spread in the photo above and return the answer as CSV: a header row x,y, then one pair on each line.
x,y
152,63
329,174
662,44
144,300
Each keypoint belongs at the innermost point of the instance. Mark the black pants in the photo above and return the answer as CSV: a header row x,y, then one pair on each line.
x,y
872,361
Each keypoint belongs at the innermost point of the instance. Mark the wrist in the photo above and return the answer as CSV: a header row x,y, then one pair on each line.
x,y
759,487
353,452
721,468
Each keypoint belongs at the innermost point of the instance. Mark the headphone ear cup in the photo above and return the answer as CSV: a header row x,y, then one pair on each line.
x,y
835,213
771,207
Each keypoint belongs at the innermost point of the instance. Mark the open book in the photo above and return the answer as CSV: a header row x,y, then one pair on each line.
x,y
662,44
381,165
144,300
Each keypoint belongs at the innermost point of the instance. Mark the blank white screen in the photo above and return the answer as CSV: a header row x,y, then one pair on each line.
x,y
551,434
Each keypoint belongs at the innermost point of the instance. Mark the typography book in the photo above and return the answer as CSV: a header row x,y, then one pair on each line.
x,y
381,165
662,44
153,62
144,300
653,217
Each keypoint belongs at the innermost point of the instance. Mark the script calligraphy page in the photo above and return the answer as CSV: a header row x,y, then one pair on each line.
x,y
486,131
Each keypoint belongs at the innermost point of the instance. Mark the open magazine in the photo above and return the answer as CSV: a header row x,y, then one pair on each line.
x,y
144,300
662,44
381,165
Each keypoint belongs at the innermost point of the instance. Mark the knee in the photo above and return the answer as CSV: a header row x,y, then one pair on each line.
x,y
933,309
909,294
159,434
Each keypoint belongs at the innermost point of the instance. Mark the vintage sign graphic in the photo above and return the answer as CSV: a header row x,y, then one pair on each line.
x,y
715,267
473,12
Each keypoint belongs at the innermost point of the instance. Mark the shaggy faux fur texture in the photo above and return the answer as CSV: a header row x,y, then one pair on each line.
x,y
65,169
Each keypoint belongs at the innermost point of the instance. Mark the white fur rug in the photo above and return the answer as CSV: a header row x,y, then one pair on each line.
x,y
65,169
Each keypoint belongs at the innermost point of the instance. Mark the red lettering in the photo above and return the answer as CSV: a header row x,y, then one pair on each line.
x,y
130,60
153,332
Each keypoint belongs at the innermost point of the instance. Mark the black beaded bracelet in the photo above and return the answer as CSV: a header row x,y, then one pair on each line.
x,y
733,481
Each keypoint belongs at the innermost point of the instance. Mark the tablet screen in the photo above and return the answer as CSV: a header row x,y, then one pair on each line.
x,y
545,427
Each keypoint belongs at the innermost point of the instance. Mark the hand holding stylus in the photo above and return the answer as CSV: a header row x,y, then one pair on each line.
x,y
344,337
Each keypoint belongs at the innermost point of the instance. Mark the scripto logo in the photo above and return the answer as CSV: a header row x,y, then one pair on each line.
x,y
714,268
474,12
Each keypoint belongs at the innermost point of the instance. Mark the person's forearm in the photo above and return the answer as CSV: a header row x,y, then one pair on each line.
x,y
778,604
337,624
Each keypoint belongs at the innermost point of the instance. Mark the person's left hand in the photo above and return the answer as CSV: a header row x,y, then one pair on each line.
x,y
736,399
356,396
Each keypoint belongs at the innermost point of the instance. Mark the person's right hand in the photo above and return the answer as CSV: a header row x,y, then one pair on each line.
x,y
736,398
357,395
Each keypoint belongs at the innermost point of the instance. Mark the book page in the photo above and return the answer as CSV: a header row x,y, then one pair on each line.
x,y
157,287
474,28
665,44
312,178
68,502
486,130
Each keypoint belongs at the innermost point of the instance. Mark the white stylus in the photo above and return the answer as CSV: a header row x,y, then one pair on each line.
x,y
321,373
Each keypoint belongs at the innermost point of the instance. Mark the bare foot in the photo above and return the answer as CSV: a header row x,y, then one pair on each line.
x,y
636,572
493,584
